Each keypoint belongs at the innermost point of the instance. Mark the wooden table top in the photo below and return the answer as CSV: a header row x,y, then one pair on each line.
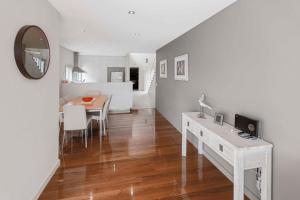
x,y
97,104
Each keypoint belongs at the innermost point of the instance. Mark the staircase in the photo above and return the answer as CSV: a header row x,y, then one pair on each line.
x,y
152,84
146,99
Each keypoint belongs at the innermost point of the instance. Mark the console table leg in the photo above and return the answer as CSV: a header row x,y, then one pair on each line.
x,y
200,167
200,146
183,144
183,172
238,187
266,177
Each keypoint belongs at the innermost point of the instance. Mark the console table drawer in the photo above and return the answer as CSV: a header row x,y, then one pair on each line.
x,y
197,130
191,126
222,149
201,133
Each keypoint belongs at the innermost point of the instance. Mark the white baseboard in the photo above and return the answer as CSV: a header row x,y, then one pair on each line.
x,y
46,181
251,195
115,111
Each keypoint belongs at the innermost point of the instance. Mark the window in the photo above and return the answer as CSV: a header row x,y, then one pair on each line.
x,y
78,77
68,73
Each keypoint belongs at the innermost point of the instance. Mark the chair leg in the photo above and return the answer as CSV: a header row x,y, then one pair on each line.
x,y
59,126
91,131
72,141
91,128
104,127
85,131
63,141
100,129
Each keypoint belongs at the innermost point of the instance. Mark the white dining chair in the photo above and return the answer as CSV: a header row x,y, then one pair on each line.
x,y
105,113
93,93
75,118
62,102
102,118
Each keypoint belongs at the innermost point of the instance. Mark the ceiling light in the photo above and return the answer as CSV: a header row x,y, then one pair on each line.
x,y
131,12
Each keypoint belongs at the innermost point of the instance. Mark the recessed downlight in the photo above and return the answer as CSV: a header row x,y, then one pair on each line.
x,y
131,12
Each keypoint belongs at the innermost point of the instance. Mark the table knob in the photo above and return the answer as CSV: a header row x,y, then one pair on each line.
x,y
221,147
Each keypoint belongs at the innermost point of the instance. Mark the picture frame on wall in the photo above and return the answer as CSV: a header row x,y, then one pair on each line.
x,y
163,69
182,67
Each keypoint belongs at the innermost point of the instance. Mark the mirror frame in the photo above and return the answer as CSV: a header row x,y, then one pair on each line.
x,y
18,50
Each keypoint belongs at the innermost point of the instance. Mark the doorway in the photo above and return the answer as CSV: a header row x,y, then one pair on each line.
x,y
134,77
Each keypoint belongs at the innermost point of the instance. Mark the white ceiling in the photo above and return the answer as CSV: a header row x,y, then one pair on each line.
x,y
104,27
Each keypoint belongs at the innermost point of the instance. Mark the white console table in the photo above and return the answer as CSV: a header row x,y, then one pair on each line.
x,y
242,154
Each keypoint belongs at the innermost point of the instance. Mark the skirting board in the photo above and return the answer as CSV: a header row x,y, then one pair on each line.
x,y
248,192
46,181
113,111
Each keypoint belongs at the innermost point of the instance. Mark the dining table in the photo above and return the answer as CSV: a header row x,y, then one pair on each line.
x,y
95,106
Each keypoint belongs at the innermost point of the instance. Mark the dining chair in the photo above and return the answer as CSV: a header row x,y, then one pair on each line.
x,y
62,102
75,119
93,93
102,118
105,113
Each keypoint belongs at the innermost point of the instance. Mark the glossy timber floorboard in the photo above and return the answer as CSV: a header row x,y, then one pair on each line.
x,y
139,159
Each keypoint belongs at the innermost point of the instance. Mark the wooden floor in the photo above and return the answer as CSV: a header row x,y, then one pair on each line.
x,y
139,159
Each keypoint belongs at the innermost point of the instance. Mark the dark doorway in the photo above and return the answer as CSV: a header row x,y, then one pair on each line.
x,y
134,77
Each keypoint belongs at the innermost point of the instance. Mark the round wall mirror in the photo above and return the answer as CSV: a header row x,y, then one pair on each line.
x,y
32,52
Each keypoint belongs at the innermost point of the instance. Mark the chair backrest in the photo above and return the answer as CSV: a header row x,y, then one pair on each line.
x,y
93,93
106,107
74,117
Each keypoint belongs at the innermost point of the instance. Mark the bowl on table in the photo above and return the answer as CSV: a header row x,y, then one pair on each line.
x,y
87,99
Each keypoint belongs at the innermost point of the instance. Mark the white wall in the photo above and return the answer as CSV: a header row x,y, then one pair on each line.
x,y
66,58
139,60
246,59
29,119
96,66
